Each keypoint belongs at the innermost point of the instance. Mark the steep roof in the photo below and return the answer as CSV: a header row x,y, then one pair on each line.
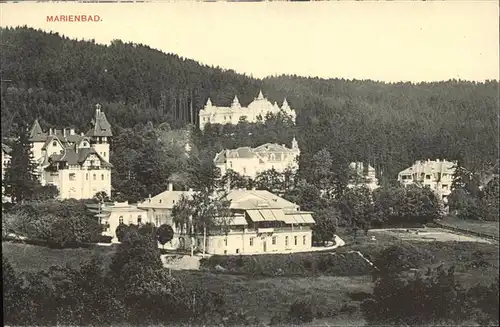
x,y
36,133
101,125
73,157
243,152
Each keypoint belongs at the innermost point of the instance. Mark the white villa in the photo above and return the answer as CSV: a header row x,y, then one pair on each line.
x,y
113,214
258,108
369,177
262,223
78,164
437,174
250,161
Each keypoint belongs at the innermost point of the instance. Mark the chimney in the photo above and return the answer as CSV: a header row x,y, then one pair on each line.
x,y
170,187
50,131
81,134
64,132
72,131
190,190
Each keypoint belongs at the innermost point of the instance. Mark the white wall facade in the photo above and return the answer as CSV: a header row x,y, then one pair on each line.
x,y
231,115
436,174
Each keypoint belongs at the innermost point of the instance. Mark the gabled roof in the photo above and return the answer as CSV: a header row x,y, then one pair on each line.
x,y
243,152
6,149
101,125
272,147
72,157
36,133
51,138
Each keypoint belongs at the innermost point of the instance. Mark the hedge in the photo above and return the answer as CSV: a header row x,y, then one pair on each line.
x,y
296,264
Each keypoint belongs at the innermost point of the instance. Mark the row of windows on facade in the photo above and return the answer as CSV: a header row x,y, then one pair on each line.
x,y
72,177
426,176
274,240
139,220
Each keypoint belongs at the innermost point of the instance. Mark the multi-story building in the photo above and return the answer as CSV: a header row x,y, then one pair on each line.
x,y
249,162
437,174
257,109
366,177
78,164
262,223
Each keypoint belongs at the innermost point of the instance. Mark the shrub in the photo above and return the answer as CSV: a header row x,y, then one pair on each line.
x,y
105,239
401,257
302,311
296,264
417,300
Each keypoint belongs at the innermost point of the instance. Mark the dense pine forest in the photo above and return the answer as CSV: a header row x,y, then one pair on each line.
x,y
390,125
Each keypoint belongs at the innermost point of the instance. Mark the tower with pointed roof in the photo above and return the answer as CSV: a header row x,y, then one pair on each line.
x,y
259,107
77,164
100,133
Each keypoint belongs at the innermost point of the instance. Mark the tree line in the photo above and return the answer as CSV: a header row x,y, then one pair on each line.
x,y
390,125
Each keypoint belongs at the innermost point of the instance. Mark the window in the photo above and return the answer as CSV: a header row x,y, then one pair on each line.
x,y
139,219
102,177
204,119
87,176
304,239
274,240
157,221
231,164
120,220
237,251
244,170
286,240
225,251
427,176
54,143
224,117
251,241
225,241
295,240
72,176
104,154
445,186
160,200
94,176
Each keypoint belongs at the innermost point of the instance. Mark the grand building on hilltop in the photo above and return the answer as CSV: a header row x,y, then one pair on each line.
x,y
438,175
256,110
262,223
78,164
249,162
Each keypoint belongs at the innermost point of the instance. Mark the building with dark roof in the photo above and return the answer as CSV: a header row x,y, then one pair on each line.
x,y
249,162
78,164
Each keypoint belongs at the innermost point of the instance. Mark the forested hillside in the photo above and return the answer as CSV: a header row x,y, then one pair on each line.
x,y
59,80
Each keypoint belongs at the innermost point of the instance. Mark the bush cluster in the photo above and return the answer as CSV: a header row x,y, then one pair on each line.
x,y
135,290
432,299
60,224
401,257
296,264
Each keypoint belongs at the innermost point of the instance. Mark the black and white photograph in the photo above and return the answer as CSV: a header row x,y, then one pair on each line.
x,y
267,163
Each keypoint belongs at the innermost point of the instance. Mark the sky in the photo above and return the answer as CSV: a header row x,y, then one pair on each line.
x,y
386,41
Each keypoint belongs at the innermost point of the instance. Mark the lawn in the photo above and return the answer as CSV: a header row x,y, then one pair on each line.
x,y
490,228
264,297
25,257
